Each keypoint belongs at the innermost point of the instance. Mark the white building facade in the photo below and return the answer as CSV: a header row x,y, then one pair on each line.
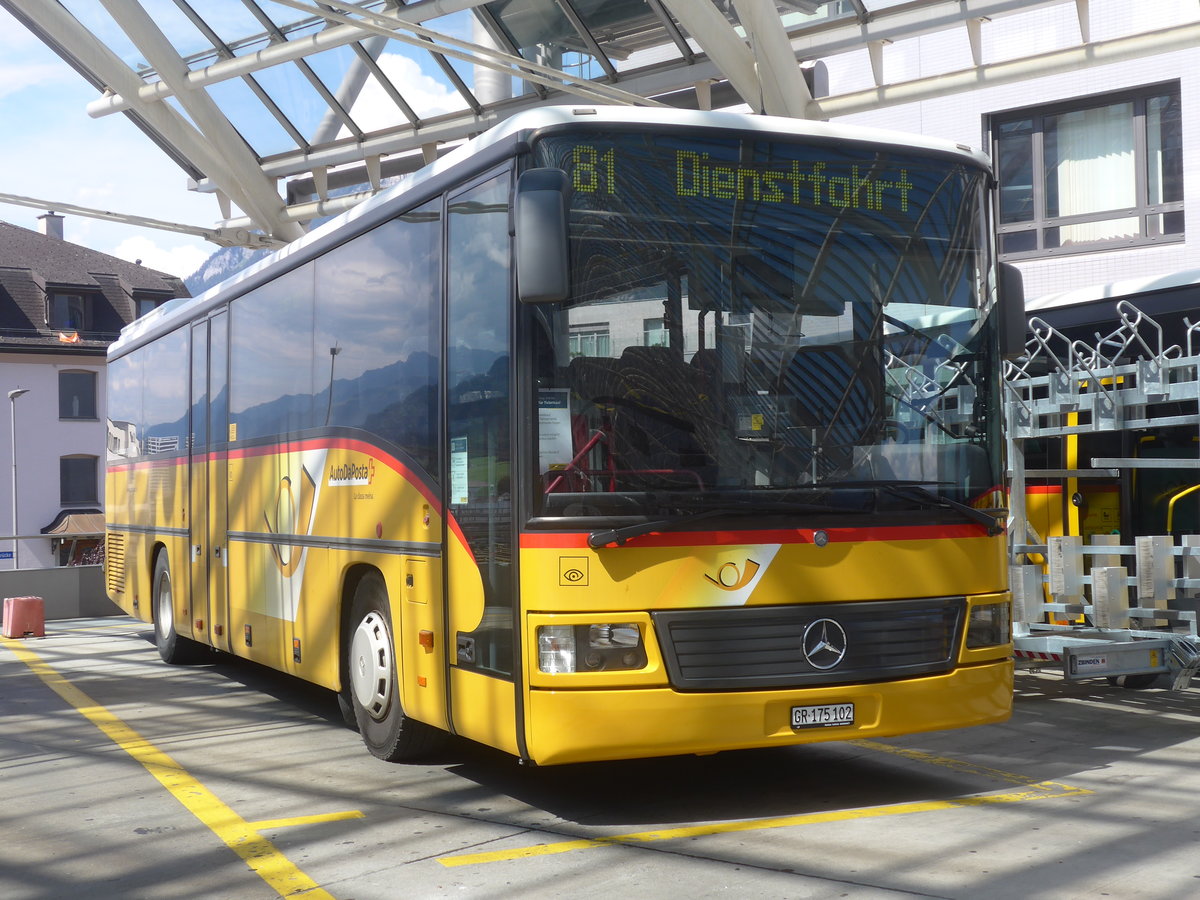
x,y
59,452
60,306
1092,158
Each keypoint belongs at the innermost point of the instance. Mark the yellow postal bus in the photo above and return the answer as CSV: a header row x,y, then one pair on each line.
x,y
611,434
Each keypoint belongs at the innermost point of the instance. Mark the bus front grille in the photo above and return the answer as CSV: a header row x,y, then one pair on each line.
x,y
763,648
114,562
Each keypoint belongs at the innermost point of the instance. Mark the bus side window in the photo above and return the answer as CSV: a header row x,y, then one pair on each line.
x,y
377,334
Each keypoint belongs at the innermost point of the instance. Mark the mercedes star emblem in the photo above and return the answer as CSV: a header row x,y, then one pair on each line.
x,y
824,644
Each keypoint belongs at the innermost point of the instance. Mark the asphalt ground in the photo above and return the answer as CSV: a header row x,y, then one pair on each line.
x,y
122,777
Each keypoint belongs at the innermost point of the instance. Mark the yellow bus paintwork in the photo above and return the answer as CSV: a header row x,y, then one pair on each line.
x,y
297,532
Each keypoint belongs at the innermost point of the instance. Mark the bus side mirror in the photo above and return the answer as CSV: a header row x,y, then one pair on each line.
x,y
540,223
1012,312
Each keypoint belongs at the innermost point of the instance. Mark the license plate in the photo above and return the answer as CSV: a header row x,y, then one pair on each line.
x,y
824,716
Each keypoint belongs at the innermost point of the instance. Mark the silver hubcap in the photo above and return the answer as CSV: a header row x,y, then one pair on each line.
x,y
166,609
371,665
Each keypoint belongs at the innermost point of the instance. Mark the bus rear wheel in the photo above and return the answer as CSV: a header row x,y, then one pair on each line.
x,y
371,674
172,647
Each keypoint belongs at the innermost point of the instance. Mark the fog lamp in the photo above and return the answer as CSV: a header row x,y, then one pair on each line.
x,y
613,636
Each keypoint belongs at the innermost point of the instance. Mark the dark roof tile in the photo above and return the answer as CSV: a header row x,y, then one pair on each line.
x,y
31,262
61,262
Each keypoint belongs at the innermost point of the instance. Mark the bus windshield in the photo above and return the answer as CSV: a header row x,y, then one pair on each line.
x,y
756,321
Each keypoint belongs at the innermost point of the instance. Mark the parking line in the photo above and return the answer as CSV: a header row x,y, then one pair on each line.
x,y
271,824
1043,790
263,857
946,762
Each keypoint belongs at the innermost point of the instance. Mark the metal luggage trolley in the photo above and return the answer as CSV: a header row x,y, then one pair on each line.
x,y
1104,608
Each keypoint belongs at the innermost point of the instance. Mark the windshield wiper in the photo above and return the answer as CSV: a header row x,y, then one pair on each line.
x,y
619,536
909,491
726,506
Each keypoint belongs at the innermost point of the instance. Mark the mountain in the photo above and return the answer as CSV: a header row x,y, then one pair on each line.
x,y
221,265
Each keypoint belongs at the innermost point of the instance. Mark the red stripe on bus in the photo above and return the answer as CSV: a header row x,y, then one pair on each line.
x,y
343,444
312,444
533,541
149,464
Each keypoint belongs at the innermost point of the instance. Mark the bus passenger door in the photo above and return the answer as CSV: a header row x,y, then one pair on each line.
x,y
208,467
480,570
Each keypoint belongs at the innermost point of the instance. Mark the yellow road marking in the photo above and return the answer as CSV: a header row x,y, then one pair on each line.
x,y
269,824
1043,790
946,762
240,836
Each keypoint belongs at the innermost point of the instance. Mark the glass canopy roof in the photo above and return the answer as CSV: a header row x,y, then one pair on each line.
x,y
288,110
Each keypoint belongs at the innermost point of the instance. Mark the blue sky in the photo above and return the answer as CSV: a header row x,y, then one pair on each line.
x,y
52,149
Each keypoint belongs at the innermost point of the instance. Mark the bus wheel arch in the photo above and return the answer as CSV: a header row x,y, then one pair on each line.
x,y
174,648
370,691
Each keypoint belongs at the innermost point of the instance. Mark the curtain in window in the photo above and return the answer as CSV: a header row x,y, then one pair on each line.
x,y
1090,168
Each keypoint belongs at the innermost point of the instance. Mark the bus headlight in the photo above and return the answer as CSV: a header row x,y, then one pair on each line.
x,y
556,648
988,625
590,648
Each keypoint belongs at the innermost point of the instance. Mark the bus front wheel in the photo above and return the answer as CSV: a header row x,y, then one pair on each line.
x,y
373,689
172,647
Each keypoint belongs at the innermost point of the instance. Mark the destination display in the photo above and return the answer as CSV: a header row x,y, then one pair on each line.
x,y
831,183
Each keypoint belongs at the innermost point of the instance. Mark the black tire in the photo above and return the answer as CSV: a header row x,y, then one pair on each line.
x,y
175,649
1137,682
345,702
371,680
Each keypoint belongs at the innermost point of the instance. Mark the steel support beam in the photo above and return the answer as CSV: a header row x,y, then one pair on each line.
x,y
350,30
187,141
898,23
456,127
353,80
827,39
1057,62
724,46
762,68
373,22
238,237
248,186
783,89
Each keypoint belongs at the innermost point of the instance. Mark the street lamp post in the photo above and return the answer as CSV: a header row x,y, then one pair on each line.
x,y
12,406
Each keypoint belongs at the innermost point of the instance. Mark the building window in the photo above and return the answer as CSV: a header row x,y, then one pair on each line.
x,y
1090,175
70,312
77,395
654,333
77,480
144,305
590,340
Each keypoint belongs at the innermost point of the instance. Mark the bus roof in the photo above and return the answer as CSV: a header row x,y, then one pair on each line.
x,y
527,123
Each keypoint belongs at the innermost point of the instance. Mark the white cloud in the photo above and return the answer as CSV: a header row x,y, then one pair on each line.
x,y
16,76
106,165
180,260
375,110
25,62
52,150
